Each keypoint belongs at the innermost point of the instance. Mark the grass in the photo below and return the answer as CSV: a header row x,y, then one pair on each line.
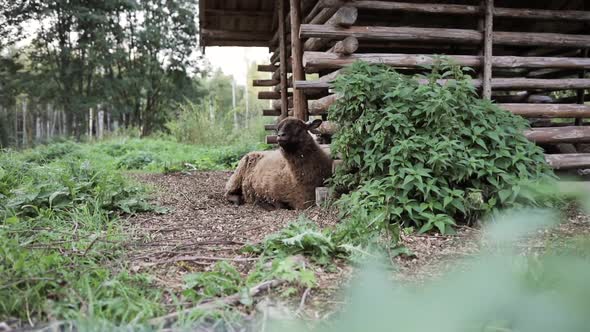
x,y
62,250
62,253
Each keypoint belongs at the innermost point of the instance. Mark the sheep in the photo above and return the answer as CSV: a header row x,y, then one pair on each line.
x,y
286,177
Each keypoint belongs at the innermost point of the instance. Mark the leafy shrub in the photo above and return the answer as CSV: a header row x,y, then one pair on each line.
x,y
137,160
427,154
51,152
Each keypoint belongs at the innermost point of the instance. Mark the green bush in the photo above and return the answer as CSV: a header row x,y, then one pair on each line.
x,y
137,160
427,155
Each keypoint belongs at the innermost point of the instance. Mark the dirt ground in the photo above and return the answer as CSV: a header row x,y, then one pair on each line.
x,y
201,228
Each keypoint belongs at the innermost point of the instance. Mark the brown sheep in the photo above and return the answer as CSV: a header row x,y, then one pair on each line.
x,y
283,178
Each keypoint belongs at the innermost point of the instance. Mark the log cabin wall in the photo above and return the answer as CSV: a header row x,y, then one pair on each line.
x,y
530,57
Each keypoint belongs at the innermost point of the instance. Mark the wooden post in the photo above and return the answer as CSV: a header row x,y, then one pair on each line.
x,y
487,50
299,100
283,60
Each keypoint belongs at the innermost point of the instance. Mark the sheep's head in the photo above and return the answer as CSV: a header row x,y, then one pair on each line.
x,y
292,134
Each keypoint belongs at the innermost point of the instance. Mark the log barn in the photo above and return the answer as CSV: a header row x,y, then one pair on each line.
x,y
529,56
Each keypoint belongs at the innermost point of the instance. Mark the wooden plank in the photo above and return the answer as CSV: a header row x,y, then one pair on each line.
x,y
548,110
569,134
436,8
299,100
458,36
487,49
568,161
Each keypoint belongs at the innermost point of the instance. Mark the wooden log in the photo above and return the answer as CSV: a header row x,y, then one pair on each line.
x,y
497,83
259,83
548,110
271,112
570,134
487,49
266,95
267,68
283,60
344,47
277,104
459,36
271,139
436,8
316,61
270,127
568,161
344,17
299,100
327,128
320,106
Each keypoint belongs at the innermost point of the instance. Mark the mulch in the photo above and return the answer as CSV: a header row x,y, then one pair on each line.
x,y
202,228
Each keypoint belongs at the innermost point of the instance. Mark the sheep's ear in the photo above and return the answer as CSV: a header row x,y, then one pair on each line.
x,y
311,125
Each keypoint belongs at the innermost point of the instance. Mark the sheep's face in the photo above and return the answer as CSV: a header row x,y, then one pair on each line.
x,y
292,133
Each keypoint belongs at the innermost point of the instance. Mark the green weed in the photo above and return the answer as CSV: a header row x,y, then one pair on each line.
x,y
427,155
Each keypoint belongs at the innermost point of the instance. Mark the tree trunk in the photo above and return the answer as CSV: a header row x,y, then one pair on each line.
x,y
100,124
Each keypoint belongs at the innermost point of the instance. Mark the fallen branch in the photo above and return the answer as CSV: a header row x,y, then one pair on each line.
x,y
216,303
203,258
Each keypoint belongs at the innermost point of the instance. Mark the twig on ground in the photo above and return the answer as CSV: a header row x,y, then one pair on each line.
x,y
303,298
204,258
216,303
90,246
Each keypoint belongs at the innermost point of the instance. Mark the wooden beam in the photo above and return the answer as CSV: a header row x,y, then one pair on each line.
x,y
316,61
570,134
458,36
437,8
236,35
258,14
548,110
299,99
283,59
568,161
487,49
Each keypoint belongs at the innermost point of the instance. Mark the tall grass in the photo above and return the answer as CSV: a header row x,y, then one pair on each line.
x,y
195,125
